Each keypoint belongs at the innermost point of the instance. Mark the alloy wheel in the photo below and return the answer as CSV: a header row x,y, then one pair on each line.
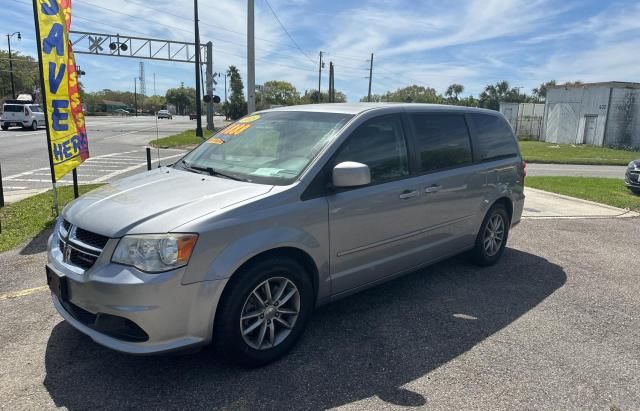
x,y
269,313
493,235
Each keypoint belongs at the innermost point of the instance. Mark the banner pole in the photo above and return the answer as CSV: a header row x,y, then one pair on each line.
x,y
74,173
44,107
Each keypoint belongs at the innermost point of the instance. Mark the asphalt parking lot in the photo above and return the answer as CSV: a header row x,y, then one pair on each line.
x,y
555,325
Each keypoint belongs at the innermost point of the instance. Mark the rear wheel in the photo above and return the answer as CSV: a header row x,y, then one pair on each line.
x,y
492,237
263,312
5,128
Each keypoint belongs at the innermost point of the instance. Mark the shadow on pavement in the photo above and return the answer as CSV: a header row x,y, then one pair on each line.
x,y
368,344
38,244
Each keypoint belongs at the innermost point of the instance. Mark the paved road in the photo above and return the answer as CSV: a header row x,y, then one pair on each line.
x,y
575,170
117,146
555,325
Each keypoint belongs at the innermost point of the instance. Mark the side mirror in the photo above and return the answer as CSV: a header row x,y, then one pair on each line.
x,y
351,174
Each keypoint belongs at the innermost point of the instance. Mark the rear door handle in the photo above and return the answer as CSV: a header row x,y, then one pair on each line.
x,y
407,194
433,189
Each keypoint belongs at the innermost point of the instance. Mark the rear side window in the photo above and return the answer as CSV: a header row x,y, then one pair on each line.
x,y
494,137
36,109
380,144
12,108
442,141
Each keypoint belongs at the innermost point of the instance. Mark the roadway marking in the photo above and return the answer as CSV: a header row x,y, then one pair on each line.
x,y
129,132
22,293
116,173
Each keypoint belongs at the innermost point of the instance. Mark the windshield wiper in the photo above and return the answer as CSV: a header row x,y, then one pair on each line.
x,y
210,171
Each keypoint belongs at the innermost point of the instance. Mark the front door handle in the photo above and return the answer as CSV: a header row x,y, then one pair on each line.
x,y
433,189
407,194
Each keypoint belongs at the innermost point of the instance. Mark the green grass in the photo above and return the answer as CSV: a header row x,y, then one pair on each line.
x,y
609,191
24,219
186,138
541,152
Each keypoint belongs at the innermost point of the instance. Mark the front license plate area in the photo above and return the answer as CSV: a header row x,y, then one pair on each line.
x,y
58,285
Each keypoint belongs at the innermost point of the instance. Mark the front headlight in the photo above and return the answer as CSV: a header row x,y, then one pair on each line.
x,y
155,253
634,164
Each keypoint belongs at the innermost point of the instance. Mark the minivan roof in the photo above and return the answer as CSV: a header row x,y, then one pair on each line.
x,y
357,108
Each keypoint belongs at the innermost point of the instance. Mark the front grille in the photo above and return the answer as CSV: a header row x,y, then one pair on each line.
x,y
92,239
82,259
634,177
78,246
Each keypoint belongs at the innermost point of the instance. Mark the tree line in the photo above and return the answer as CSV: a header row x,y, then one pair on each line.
x,y
489,98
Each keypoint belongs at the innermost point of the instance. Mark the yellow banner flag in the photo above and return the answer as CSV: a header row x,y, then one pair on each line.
x,y
66,132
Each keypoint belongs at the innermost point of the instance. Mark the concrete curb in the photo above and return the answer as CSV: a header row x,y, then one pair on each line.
x,y
606,211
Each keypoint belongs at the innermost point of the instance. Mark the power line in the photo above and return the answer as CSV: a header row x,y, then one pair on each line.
x,y
287,32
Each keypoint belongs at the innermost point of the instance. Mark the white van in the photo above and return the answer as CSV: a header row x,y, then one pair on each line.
x,y
16,113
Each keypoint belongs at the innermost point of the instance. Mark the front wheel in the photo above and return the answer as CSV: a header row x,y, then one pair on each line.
x,y
263,312
492,237
34,126
5,128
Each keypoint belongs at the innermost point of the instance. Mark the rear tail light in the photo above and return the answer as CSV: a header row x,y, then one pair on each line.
x,y
524,168
26,111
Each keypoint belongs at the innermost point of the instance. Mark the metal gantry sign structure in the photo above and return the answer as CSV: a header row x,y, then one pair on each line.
x,y
118,45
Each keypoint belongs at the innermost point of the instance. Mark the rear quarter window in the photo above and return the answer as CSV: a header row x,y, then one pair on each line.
x,y
494,138
13,108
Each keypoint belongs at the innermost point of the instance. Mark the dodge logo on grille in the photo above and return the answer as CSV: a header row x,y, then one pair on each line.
x,y
66,253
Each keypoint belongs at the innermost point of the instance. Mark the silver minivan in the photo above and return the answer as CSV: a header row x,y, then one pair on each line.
x,y
278,213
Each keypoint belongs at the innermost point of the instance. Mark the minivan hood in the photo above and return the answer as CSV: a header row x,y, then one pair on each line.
x,y
156,202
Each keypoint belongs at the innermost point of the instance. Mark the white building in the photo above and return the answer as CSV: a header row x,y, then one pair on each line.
x,y
602,114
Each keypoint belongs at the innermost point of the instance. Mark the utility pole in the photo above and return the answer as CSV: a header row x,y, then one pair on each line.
x,y
332,92
135,95
154,84
209,91
370,77
320,64
251,59
13,87
198,100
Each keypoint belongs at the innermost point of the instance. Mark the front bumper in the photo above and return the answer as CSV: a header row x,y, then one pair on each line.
x,y
172,316
632,179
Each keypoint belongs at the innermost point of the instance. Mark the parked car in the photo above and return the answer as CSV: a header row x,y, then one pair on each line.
x,y
121,112
165,114
632,177
193,116
16,113
285,210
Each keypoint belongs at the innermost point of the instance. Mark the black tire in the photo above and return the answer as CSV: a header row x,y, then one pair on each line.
x,y
227,336
635,191
34,126
480,255
5,128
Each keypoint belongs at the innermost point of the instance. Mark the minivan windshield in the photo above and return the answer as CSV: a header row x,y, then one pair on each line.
x,y
267,148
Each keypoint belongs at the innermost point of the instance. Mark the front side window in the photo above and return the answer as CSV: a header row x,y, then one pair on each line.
x,y
267,148
495,138
442,141
379,143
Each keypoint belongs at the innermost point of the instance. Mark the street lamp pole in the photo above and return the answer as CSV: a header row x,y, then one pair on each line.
x,y
13,87
197,41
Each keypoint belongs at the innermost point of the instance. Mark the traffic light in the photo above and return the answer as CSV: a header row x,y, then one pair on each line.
x,y
208,99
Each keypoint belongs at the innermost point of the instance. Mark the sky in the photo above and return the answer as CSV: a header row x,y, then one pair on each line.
x,y
426,42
